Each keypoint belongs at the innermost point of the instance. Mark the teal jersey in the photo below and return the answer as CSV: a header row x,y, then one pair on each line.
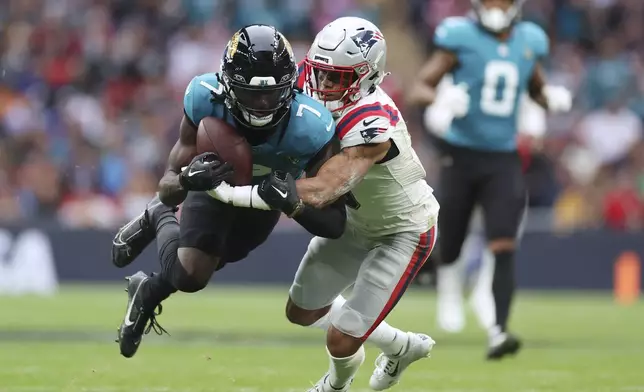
x,y
496,73
307,128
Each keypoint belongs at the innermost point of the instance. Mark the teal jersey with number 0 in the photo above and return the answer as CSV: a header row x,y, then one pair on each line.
x,y
496,73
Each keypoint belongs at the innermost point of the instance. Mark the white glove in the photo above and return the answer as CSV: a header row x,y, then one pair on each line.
x,y
451,102
559,99
455,98
239,196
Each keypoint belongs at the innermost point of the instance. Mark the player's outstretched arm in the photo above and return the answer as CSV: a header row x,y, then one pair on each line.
x,y
171,192
423,92
340,174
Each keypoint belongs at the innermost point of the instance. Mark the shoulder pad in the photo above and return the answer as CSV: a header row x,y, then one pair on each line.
x,y
536,37
454,33
201,93
367,124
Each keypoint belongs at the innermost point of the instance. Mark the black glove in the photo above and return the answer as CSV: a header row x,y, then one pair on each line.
x,y
278,191
205,172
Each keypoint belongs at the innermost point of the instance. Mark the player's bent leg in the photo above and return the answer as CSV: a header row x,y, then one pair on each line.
x,y
137,234
327,269
188,259
384,276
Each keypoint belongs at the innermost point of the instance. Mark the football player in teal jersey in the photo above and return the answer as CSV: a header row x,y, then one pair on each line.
x,y
290,134
493,58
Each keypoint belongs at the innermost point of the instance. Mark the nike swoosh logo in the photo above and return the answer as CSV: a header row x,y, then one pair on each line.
x,y
283,194
328,127
192,173
394,372
127,321
367,123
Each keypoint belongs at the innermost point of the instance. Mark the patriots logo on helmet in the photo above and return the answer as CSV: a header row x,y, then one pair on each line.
x,y
366,39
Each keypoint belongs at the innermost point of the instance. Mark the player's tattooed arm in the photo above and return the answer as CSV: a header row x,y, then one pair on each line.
x,y
423,92
170,190
330,221
536,86
340,174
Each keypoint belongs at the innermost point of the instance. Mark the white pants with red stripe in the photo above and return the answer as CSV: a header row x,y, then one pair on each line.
x,y
380,270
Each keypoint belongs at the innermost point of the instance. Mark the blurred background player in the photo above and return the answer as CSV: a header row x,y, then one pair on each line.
x,y
475,264
289,132
493,59
391,230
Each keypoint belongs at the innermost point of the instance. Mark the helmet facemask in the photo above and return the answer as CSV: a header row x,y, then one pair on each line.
x,y
334,86
261,102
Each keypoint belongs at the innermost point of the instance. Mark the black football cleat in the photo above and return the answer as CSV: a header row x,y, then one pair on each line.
x,y
509,346
138,320
137,234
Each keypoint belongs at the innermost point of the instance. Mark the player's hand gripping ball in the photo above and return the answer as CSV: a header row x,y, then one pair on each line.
x,y
205,172
278,191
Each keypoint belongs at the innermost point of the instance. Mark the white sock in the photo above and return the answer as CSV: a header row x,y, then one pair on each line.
x,y
342,370
391,341
324,322
496,336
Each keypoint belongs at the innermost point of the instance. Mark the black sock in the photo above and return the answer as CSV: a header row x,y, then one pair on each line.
x,y
503,286
160,285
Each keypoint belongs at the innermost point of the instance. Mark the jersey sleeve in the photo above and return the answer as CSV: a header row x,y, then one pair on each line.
x,y
368,124
539,40
452,33
197,98
313,125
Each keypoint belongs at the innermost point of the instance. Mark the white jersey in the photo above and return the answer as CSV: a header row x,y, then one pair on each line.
x,y
393,196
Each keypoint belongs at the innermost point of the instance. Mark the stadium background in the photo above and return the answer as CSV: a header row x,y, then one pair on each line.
x,y
90,99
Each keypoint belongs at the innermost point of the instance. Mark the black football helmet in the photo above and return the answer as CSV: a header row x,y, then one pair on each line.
x,y
258,73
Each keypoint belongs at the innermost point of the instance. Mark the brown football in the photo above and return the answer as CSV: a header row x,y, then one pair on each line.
x,y
215,135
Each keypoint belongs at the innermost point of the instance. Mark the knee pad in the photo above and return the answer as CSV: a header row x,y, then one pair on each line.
x,y
351,322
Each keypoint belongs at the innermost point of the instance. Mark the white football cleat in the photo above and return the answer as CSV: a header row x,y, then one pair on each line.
x,y
325,386
389,369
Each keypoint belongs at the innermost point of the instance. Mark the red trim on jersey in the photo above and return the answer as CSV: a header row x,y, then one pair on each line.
x,y
422,252
358,114
300,75
393,115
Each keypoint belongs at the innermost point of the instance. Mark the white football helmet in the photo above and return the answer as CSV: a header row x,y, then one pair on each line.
x,y
495,19
351,54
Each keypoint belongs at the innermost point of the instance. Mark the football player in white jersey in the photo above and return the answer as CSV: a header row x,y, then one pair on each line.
x,y
391,224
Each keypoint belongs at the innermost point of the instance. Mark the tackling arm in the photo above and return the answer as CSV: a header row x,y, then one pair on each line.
x,y
340,174
331,220
170,190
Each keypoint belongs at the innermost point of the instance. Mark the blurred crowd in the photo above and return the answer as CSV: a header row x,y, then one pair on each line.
x,y
90,98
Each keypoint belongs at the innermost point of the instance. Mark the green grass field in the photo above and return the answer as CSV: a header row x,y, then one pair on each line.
x,y
237,339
